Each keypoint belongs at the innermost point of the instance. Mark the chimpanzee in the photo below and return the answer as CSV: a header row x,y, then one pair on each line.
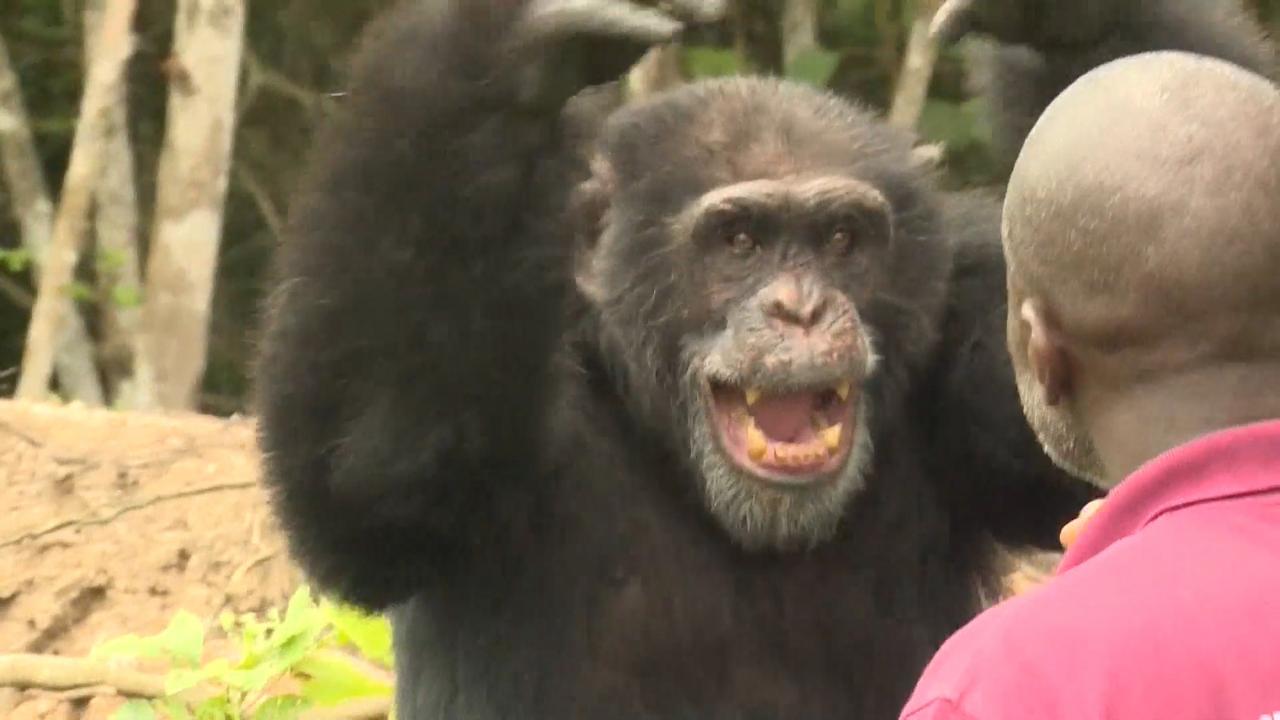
x,y
694,407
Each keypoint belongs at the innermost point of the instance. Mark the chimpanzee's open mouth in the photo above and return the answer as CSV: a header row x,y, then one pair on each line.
x,y
793,437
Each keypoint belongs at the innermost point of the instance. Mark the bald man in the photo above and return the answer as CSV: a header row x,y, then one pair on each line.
x,y
1142,233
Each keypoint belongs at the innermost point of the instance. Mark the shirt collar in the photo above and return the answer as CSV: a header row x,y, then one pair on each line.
x,y
1242,460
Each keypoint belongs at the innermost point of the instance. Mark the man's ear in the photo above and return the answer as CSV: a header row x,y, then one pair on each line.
x,y
1046,355
588,211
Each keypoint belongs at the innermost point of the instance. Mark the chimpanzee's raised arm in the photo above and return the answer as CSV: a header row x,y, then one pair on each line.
x,y
421,287
1046,44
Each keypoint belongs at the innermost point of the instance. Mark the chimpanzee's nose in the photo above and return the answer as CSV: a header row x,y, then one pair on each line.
x,y
794,301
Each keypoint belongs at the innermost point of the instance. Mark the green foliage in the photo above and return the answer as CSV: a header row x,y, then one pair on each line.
x,y
79,291
960,125
706,62
126,296
814,66
15,260
311,643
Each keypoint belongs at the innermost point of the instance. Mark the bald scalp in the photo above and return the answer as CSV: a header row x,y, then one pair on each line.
x,y
1144,211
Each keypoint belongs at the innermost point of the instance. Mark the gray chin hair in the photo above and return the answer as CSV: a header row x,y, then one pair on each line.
x,y
758,515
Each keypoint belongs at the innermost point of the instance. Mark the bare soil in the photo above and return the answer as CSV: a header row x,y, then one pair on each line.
x,y
111,522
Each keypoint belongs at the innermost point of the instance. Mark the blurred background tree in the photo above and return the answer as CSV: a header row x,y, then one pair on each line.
x,y
289,69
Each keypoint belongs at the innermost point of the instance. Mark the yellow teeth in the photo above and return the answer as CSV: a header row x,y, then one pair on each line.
x,y
831,436
843,390
753,396
756,443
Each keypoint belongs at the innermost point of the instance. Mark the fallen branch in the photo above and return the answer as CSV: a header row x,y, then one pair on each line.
x,y
51,672
123,510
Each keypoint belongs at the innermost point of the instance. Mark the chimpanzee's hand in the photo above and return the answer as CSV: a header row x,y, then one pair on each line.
x,y
1038,23
590,42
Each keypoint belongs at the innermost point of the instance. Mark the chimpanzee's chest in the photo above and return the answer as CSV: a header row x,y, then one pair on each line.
x,y
640,608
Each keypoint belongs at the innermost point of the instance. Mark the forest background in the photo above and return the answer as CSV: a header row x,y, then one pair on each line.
x,y
192,149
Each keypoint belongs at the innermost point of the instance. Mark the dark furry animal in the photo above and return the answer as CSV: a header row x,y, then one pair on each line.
x,y
701,410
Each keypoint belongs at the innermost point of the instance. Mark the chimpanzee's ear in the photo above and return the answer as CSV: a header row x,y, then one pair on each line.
x,y
588,213
583,119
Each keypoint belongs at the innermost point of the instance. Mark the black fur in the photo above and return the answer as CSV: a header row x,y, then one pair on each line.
x,y
451,430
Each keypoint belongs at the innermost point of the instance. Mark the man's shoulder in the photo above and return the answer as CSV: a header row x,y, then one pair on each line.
x,y
1135,611
1011,657
1007,653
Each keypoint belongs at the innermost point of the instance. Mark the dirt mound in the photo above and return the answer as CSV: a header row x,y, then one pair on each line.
x,y
111,522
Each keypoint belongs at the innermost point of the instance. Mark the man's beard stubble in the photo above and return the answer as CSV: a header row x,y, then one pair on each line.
x,y
1063,440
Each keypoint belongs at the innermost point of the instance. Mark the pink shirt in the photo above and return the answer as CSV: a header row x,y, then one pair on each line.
x,y
1167,607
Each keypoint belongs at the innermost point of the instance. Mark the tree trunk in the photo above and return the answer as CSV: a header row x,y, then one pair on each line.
x,y
917,69
799,28
191,191
103,83
73,356
116,230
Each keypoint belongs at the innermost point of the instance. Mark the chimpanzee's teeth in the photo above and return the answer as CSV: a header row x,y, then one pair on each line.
x,y
759,447
831,437
757,443
752,394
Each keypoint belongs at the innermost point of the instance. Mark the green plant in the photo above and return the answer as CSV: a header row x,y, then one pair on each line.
x,y
330,653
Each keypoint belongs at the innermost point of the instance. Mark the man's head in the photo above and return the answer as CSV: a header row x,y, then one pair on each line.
x,y
1142,232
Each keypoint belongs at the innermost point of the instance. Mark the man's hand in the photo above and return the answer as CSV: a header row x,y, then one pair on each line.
x,y
1038,23
1072,530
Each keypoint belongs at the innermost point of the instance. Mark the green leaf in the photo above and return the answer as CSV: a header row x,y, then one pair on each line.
x,y
109,260
183,639
15,260
183,679
702,62
135,710
218,708
814,66
129,646
175,709
283,707
126,296
79,291
948,123
255,678
369,634
333,678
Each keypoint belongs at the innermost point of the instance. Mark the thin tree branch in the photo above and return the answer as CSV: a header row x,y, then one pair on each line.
x,y
912,89
74,359
124,510
260,76
50,672
267,208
